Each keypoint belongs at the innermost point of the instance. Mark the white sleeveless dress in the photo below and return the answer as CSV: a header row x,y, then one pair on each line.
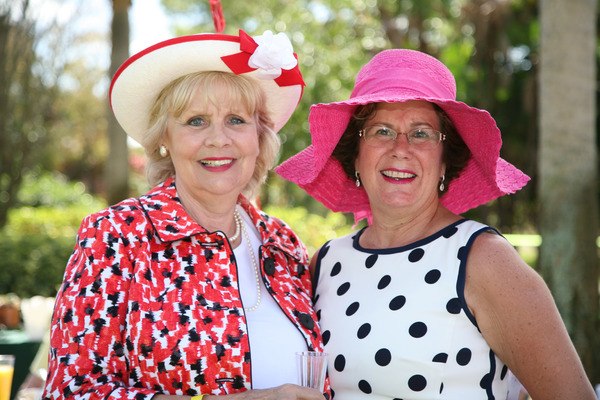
x,y
395,322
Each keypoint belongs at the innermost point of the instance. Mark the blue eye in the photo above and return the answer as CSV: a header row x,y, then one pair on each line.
x,y
420,133
423,134
382,131
196,121
236,121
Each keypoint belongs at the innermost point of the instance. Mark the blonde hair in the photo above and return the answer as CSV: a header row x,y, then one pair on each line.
x,y
176,97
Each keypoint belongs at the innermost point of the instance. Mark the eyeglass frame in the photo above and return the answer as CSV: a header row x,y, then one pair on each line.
x,y
362,134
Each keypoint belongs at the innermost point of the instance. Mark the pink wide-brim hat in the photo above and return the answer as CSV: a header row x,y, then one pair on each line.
x,y
138,82
401,75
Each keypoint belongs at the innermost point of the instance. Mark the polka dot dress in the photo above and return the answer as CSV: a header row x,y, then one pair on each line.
x,y
395,323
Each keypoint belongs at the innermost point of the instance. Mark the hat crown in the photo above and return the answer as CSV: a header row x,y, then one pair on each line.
x,y
406,73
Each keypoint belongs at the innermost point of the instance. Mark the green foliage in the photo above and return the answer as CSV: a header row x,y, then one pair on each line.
x,y
314,230
33,265
40,235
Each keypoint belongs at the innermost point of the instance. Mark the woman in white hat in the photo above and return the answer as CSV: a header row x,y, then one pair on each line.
x,y
423,303
190,290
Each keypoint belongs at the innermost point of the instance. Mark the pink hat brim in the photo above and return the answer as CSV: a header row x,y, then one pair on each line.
x,y
485,177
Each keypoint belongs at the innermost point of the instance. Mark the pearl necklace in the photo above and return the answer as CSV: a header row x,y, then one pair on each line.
x,y
238,221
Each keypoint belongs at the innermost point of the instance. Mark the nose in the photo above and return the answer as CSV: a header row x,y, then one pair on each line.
x,y
217,136
401,144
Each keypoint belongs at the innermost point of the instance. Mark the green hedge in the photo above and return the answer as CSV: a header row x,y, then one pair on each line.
x,y
40,235
33,264
313,229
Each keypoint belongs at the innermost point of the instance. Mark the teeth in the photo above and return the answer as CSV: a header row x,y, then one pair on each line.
x,y
215,163
398,174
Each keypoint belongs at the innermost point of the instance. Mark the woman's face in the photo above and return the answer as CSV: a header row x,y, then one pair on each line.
x,y
213,149
401,174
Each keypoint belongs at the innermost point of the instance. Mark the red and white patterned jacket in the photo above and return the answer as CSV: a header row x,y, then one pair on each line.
x,y
150,303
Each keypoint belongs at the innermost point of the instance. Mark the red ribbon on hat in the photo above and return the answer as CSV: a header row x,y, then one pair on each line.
x,y
217,15
238,63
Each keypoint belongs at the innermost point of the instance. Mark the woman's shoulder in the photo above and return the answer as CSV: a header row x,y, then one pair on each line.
x,y
124,207
121,216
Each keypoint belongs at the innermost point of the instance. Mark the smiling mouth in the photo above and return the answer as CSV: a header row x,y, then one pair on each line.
x,y
397,174
216,163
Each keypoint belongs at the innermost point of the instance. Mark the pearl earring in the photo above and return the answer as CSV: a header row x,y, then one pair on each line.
x,y
163,151
357,178
442,187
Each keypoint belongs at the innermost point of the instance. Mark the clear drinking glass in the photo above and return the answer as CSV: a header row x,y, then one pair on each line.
x,y
312,366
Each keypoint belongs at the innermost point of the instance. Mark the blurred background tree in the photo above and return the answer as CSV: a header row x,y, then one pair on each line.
x,y
568,168
53,117
116,176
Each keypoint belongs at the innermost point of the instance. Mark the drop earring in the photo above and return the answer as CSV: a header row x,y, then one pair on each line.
x,y
357,178
442,187
163,151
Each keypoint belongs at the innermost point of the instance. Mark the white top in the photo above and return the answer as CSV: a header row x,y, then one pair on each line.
x,y
274,340
395,322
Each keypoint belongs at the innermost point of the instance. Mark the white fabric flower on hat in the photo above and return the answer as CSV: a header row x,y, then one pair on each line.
x,y
274,53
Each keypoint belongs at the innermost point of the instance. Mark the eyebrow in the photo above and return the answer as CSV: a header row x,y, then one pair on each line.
x,y
413,125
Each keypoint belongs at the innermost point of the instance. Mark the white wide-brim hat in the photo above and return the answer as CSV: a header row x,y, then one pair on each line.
x,y
267,58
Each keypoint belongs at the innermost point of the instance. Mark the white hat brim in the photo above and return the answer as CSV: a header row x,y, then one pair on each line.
x,y
138,82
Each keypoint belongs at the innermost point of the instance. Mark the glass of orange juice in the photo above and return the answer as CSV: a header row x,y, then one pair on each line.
x,y
7,364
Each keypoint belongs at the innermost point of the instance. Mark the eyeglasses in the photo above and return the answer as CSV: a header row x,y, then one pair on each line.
x,y
382,136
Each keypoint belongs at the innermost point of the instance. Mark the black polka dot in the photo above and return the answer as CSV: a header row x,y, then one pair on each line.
x,y
463,357
417,330
316,299
324,251
433,276
450,232
384,281
461,253
318,315
343,288
504,372
383,357
352,308
416,255
416,383
440,358
453,306
371,260
364,387
441,387
363,331
397,303
339,363
326,336
337,268
486,381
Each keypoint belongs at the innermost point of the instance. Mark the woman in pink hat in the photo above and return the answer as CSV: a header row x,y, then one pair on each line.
x,y
422,303
190,290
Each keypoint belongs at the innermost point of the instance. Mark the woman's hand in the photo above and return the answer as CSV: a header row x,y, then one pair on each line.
x,y
283,392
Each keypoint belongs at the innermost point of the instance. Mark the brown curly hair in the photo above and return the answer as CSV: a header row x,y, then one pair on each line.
x,y
455,154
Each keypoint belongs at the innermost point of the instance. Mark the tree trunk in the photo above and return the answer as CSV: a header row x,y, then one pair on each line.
x,y
116,172
568,169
